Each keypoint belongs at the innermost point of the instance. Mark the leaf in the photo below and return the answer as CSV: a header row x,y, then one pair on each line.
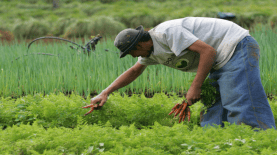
x,y
101,144
101,150
90,149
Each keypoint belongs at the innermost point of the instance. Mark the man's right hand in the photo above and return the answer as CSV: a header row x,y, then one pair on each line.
x,y
101,98
124,79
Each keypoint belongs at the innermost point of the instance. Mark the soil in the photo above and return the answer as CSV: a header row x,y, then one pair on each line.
x,y
270,96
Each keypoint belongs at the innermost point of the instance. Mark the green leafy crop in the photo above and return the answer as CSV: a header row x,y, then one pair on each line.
x,y
54,124
65,111
103,139
208,93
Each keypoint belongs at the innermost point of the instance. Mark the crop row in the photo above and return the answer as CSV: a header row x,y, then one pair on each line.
x,y
54,124
105,140
63,111
70,70
66,111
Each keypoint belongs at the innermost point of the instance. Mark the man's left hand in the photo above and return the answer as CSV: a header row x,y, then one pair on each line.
x,y
193,95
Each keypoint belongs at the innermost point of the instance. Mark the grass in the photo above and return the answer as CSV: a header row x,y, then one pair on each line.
x,y
268,59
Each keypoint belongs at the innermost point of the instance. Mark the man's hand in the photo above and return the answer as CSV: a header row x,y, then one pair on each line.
x,y
101,98
193,95
207,58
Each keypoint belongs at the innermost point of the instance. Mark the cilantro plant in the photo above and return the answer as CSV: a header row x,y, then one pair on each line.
x,y
104,139
208,93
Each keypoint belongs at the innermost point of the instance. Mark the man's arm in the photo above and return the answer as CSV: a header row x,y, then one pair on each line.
x,y
207,58
125,78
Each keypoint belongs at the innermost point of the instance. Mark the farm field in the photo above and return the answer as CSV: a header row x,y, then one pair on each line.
x,y
72,71
43,90
42,96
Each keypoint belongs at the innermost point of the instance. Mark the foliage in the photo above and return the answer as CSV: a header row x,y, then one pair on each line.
x,y
80,28
205,12
108,1
90,11
59,110
103,139
273,21
31,29
54,123
208,93
60,26
146,19
248,18
147,13
106,26
6,35
65,111
125,125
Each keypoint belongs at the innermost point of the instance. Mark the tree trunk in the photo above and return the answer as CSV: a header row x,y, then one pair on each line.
x,y
55,4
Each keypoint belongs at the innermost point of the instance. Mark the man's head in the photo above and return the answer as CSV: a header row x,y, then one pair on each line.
x,y
135,42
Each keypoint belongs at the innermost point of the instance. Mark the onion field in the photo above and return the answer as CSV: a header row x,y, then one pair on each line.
x,y
70,70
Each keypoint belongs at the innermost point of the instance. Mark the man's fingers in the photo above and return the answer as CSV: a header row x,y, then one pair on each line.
x,y
95,100
93,104
97,107
189,102
102,103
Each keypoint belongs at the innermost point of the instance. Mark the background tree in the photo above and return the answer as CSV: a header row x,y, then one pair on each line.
x,y
55,4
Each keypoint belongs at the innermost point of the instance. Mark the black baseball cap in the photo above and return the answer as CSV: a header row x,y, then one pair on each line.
x,y
127,39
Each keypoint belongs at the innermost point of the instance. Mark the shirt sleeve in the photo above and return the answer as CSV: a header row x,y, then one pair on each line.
x,y
147,61
179,38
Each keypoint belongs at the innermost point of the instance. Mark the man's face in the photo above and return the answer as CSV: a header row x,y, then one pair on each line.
x,y
141,50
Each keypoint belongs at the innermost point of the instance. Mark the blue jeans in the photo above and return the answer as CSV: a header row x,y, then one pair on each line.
x,y
242,98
